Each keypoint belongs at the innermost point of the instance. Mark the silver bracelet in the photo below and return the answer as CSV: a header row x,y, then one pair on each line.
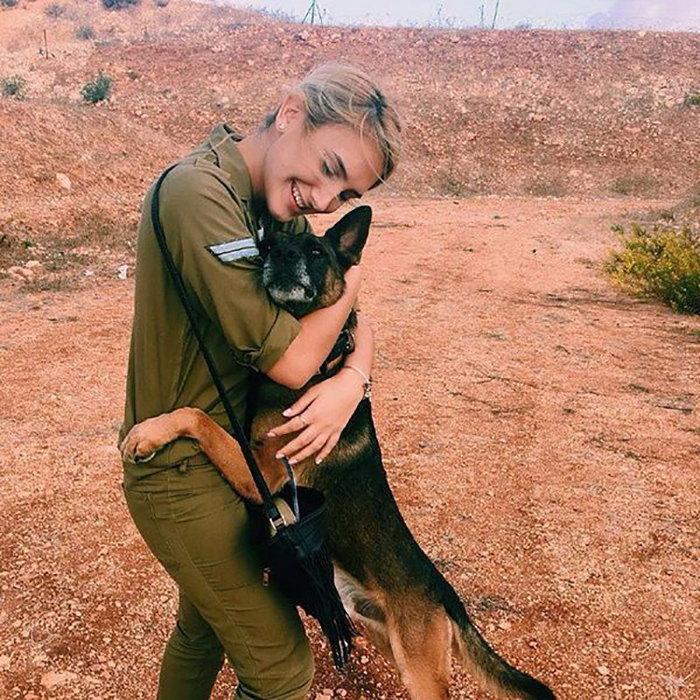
x,y
367,382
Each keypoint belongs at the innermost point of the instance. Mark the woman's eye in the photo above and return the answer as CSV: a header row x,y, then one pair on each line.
x,y
347,195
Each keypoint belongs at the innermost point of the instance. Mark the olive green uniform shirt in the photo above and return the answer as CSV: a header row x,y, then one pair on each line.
x,y
206,210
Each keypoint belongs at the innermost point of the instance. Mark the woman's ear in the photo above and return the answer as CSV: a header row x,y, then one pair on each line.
x,y
292,111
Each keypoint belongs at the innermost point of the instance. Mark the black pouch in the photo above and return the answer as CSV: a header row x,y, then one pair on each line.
x,y
295,550
300,564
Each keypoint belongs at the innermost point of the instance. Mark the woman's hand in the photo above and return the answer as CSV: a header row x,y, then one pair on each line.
x,y
320,414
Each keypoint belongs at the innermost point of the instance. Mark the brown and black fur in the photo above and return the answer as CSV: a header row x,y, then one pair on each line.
x,y
387,583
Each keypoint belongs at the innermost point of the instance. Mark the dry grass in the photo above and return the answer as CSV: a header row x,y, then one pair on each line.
x,y
635,185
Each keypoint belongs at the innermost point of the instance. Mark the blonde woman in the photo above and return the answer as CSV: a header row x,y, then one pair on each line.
x,y
332,138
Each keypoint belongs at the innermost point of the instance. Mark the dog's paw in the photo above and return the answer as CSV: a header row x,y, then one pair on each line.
x,y
145,439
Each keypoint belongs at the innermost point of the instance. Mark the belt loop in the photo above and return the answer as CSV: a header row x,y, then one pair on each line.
x,y
182,467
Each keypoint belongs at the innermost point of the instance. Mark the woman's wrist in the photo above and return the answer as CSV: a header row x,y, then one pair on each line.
x,y
361,378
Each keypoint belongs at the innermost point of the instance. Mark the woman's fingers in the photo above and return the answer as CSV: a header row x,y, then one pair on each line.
x,y
302,403
293,425
299,443
309,450
327,448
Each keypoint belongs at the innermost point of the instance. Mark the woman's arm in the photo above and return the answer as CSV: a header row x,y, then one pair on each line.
x,y
327,407
324,410
319,331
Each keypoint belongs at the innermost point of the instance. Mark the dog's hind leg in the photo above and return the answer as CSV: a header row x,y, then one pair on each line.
x,y
363,608
421,640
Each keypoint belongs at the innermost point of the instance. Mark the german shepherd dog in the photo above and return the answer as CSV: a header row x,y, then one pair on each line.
x,y
387,583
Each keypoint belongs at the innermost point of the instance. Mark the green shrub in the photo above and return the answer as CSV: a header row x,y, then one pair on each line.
x,y
97,90
14,86
662,263
85,32
54,10
119,4
692,100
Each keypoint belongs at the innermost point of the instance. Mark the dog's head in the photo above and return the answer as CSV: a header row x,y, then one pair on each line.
x,y
303,272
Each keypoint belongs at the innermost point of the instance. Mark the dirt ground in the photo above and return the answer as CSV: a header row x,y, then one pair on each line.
x,y
540,433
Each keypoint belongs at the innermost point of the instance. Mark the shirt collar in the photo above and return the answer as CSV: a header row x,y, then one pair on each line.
x,y
222,141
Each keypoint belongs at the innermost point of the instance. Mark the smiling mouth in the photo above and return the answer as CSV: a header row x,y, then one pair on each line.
x,y
298,199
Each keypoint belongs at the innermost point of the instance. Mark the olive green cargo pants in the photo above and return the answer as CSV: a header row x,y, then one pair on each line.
x,y
201,532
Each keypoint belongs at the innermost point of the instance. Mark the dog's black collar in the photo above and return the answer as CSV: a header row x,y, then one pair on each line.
x,y
344,345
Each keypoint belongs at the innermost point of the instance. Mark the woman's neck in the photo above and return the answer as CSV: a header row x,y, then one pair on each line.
x,y
253,149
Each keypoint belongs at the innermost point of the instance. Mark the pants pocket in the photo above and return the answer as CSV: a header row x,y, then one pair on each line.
x,y
142,513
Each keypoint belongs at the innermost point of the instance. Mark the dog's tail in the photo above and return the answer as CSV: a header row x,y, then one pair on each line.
x,y
479,658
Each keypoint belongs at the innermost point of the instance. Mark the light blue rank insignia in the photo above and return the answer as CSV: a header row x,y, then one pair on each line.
x,y
234,250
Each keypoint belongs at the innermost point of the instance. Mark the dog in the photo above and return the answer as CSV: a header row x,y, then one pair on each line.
x,y
387,583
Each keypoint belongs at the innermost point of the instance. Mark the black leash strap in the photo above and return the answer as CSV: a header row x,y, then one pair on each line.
x,y
270,508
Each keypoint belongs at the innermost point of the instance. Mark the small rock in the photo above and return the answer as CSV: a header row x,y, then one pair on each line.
x,y
364,659
32,263
123,271
603,670
505,625
20,274
63,180
4,663
53,679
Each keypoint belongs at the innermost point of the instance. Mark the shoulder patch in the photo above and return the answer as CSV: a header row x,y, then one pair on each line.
x,y
234,250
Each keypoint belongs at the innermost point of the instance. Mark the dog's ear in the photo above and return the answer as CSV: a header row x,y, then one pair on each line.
x,y
349,235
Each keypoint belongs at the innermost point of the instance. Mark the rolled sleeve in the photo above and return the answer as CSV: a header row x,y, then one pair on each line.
x,y
215,250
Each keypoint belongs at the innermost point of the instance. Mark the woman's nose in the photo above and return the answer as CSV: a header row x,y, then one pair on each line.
x,y
325,198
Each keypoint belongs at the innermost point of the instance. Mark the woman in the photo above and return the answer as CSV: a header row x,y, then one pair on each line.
x,y
332,138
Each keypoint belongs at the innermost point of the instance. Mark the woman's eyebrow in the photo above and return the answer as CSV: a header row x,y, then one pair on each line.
x,y
338,162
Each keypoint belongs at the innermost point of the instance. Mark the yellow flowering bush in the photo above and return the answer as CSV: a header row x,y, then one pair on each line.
x,y
663,263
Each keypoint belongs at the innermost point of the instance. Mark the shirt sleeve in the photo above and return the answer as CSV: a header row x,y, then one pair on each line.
x,y
214,249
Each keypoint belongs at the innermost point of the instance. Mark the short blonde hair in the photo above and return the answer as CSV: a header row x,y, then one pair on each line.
x,y
336,93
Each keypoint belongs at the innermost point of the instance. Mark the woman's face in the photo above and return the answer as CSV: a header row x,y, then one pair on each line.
x,y
308,172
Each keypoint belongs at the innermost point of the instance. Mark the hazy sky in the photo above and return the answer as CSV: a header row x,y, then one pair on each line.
x,y
656,14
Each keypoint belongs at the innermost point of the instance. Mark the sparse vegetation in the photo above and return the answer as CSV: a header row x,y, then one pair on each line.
x,y
97,90
14,86
662,263
8,3
85,32
545,187
54,10
119,4
692,99
634,185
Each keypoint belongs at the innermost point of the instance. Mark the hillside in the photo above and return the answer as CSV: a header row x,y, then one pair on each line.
x,y
510,112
